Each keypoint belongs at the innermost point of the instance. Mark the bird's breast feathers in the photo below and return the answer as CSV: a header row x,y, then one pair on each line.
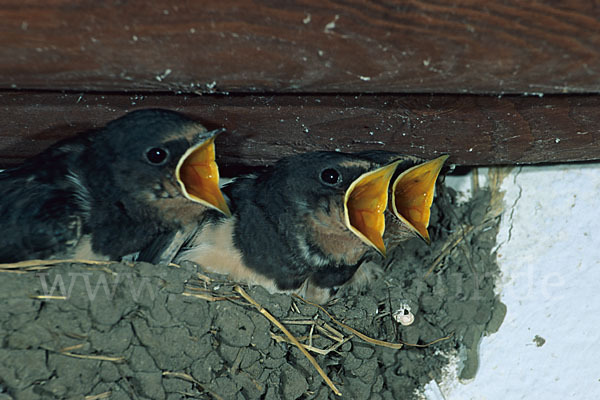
x,y
213,248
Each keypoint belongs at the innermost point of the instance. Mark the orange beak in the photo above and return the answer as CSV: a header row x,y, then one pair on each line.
x,y
198,175
412,195
365,202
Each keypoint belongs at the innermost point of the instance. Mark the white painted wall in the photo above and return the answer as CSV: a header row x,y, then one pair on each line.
x,y
549,254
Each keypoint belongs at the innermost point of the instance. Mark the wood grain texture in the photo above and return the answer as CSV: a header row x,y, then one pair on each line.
x,y
319,46
474,130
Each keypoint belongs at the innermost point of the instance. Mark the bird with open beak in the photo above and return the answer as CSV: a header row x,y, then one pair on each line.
x,y
304,225
111,192
411,192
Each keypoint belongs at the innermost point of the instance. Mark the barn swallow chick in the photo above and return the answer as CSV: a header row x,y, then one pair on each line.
x,y
411,196
108,193
308,213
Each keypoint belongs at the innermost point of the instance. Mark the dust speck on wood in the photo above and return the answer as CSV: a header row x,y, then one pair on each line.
x,y
76,329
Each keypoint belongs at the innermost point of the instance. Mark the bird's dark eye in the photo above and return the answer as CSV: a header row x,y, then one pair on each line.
x,y
156,155
330,176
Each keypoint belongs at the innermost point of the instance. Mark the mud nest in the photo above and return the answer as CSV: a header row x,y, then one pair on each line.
x,y
137,331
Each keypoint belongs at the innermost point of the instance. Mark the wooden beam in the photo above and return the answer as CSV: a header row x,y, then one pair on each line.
x,y
337,46
474,130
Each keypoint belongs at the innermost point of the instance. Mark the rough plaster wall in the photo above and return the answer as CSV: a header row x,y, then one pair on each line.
x,y
549,251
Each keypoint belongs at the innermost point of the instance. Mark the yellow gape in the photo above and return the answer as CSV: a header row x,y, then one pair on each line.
x,y
412,195
365,202
198,176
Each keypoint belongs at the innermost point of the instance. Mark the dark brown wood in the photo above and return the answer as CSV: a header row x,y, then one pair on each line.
x,y
474,130
349,46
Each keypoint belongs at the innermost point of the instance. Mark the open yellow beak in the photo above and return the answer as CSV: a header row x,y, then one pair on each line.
x,y
365,202
412,195
198,176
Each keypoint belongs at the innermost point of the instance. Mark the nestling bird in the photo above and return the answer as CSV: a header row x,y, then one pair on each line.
x,y
411,195
304,225
111,192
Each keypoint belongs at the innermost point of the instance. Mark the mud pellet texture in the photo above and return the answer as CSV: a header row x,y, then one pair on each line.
x,y
142,331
